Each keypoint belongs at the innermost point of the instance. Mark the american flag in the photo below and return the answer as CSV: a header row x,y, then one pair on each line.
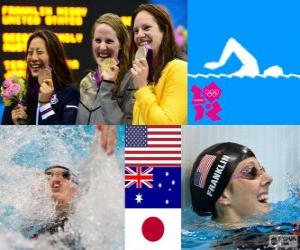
x,y
138,176
156,146
203,169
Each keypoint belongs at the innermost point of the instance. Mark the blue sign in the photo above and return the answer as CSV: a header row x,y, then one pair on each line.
x,y
244,61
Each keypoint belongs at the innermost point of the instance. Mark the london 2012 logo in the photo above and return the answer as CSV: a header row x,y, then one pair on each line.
x,y
205,101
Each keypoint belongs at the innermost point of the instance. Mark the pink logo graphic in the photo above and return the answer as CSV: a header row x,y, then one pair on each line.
x,y
205,101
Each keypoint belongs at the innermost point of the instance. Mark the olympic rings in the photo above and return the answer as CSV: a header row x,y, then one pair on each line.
x,y
212,92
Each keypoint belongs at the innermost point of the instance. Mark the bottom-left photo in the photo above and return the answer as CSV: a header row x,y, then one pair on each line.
x,y
61,187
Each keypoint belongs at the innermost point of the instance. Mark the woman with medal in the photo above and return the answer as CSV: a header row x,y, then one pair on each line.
x,y
160,77
106,93
50,99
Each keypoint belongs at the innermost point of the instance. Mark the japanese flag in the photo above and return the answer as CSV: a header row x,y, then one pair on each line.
x,y
152,229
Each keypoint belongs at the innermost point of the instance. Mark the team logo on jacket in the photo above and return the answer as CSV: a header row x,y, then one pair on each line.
x,y
54,99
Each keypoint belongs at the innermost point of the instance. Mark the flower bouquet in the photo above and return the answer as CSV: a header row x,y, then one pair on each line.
x,y
13,91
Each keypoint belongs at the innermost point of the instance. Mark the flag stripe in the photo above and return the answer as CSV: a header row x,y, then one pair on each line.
x,y
165,140
147,162
153,158
164,133
165,129
151,155
160,149
153,152
204,167
133,177
166,137
153,165
163,146
169,127
163,143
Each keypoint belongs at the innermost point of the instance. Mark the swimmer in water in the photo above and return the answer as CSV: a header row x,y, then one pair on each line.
x,y
63,184
228,183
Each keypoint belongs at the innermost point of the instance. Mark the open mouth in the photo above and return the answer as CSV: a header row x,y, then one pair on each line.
x,y
36,66
263,198
144,43
55,187
102,55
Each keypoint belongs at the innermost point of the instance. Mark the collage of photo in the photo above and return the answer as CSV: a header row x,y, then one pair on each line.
x,y
149,125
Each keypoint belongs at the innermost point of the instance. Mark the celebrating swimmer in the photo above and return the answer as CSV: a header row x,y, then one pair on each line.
x,y
228,183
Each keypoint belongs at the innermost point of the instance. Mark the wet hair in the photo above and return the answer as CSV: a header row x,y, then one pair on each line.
x,y
211,173
168,49
61,73
115,22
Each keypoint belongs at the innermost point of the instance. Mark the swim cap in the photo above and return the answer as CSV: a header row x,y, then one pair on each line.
x,y
57,166
211,174
74,176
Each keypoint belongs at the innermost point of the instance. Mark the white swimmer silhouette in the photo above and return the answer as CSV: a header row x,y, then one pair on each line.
x,y
249,67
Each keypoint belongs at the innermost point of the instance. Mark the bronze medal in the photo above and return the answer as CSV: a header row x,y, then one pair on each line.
x,y
44,74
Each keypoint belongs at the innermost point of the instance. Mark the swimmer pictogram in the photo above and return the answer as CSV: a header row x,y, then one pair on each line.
x,y
249,64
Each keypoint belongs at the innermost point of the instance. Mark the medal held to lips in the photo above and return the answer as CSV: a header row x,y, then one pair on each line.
x,y
45,73
141,53
146,53
108,63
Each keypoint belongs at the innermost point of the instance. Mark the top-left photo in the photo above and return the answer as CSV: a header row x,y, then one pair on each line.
x,y
81,62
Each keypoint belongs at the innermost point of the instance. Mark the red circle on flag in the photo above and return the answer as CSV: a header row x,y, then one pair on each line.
x,y
153,229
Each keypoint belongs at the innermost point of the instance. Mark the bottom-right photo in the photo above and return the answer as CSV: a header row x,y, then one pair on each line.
x,y
240,187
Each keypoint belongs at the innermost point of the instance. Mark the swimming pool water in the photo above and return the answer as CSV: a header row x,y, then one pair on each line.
x,y
203,233
25,196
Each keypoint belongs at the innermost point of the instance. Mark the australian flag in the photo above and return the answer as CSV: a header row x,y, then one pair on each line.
x,y
158,189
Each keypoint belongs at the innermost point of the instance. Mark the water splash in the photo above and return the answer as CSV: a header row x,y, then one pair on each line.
x,y
100,202
25,196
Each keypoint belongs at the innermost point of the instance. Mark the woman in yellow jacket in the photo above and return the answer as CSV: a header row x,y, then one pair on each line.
x,y
161,83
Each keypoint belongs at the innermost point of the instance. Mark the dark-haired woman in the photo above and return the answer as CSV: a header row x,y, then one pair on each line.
x,y
163,99
51,99
228,183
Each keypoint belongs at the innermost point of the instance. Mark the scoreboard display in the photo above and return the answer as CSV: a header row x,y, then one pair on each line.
x,y
71,20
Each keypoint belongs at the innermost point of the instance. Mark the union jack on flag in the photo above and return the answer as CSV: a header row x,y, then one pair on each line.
x,y
138,176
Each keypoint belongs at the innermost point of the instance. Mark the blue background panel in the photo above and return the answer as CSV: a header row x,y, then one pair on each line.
x,y
269,31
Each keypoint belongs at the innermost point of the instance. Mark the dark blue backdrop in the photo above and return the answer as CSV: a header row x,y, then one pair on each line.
x,y
177,9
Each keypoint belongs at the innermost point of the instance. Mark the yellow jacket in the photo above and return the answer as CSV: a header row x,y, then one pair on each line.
x,y
166,102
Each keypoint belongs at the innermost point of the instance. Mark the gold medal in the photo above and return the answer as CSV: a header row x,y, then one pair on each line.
x,y
107,63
